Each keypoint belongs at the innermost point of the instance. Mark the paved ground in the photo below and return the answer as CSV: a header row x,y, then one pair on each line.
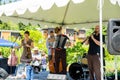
x,y
40,76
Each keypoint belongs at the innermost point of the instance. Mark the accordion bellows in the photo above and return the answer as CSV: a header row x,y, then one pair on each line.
x,y
60,41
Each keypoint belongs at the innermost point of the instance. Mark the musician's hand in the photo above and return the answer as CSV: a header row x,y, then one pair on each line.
x,y
34,59
27,45
92,37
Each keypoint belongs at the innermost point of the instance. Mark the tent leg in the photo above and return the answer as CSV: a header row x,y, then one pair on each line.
x,y
115,64
101,38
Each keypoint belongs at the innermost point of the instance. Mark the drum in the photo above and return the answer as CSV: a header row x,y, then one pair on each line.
x,y
75,71
36,65
84,62
36,69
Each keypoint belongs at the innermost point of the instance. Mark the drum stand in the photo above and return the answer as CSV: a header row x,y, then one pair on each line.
x,y
85,70
85,73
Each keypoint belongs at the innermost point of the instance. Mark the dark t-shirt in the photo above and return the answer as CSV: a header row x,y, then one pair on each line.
x,y
93,47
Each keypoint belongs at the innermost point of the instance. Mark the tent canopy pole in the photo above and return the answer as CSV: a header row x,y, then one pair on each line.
x,y
101,39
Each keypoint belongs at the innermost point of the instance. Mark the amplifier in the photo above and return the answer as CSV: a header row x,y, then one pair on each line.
x,y
56,77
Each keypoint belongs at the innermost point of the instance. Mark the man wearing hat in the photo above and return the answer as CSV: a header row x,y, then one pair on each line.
x,y
36,57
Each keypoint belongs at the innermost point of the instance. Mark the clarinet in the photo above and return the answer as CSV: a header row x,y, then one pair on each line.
x,y
87,38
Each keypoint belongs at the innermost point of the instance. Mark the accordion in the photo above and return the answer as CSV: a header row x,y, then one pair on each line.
x,y
60,41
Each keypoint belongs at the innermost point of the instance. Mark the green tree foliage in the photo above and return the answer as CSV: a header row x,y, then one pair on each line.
x,y
21,26
5,51
8,26
4,26
13,26
27,27
74,53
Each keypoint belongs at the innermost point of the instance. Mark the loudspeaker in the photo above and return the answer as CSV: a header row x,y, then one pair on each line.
x,y
56,77
113,32
3,73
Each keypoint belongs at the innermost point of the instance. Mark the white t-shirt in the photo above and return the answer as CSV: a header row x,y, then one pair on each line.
x,y
36,62
38,56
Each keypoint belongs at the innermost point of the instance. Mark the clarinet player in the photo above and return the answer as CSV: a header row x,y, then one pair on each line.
x,y
94,54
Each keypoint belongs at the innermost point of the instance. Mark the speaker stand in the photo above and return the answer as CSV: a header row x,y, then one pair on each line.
x,y
115,64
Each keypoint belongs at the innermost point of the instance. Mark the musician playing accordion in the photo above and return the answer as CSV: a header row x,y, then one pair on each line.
x,y
60,51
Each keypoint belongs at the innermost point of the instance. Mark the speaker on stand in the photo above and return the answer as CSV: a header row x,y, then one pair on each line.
x,y
113,45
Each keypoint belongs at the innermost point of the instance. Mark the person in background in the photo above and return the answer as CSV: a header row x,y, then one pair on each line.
x,y
36,60
94,54
27,45
49,44
36,57
26,57
43,61
12,62
1,56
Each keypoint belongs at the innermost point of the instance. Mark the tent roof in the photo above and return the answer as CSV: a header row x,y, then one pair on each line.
x,y
69,12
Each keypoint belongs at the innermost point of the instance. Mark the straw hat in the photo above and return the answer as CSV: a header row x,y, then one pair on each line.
x,y
35,48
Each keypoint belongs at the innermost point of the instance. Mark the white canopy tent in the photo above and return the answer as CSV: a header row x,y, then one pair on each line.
x,y
71,13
